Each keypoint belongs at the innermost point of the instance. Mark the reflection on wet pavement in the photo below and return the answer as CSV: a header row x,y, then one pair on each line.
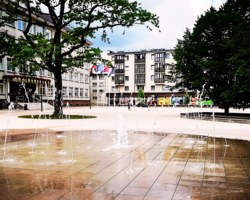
x,y
166,166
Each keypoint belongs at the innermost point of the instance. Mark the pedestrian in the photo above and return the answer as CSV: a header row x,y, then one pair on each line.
x,y
129,106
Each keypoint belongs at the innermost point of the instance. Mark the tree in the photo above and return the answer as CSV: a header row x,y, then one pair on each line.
x,y
140,93
186,99
57,54
204,56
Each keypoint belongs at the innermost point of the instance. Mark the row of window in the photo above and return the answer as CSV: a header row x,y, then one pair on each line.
x,y
142,66
95,91
21,25
101,84
137,77
74,76
142,56
116,89
75,92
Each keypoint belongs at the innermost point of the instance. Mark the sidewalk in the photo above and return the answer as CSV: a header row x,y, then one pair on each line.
x,y
158,119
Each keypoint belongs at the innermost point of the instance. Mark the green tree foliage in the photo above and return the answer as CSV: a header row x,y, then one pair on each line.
x,y
140,93
57,54
208,55
186,99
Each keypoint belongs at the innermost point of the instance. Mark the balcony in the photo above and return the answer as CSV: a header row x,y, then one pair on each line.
x,y
142,70
159,59
119,71
139,81
120,82
159,80
140,60
161,69
119,61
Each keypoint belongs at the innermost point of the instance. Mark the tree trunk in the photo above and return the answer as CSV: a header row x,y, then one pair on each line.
x,y
58,102
226,111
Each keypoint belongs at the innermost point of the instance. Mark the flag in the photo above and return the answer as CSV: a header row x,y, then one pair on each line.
x,y
99,68
106,70
93,70
112,72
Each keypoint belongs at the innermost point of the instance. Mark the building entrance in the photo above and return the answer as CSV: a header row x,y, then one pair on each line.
x,y
17,92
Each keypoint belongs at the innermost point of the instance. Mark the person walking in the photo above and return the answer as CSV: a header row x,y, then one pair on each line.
x,y
129,106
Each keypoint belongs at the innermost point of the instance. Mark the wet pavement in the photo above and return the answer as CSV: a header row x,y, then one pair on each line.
x,y
83,165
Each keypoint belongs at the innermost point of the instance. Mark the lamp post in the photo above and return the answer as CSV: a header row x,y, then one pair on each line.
x,y
41,96
89,94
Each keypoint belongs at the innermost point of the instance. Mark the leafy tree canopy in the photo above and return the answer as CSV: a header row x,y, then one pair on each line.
x,y
67,48
210,55
140,93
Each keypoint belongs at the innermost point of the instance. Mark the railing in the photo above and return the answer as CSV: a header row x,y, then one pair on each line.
x,y
159,59
119,81
159,80
139,80
119,71
161,69
140,70
119,61
140,60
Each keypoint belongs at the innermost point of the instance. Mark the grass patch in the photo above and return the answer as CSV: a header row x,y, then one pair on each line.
x,y
57,117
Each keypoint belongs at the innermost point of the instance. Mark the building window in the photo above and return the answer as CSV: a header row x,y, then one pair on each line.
x,y
152,88
152,56
94,98
94,77
64,91
81,92
86,79
152,67
100,91
20,24
32,29
165,87
41,72
152,77
94,91
71,91
1,88
94,84
126,68
48,34
50,90
1,65
64,76
76,77
42,89
126,78
10,23
140,86
8,64
40,30
76,92
101,84
167,55
86,93
114,89
81,78
126,57
126,88
101,77
71,76
167,67
112,78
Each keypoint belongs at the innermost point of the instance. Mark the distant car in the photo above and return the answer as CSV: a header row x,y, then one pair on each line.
x,y
142,104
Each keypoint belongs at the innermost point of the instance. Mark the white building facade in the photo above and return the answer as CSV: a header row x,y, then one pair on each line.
x,y
75,83
134,70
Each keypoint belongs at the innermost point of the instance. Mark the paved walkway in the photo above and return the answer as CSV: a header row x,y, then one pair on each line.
x,y
158,119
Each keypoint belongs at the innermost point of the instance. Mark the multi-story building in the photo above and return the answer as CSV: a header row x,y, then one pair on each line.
x,y
75,83
134,70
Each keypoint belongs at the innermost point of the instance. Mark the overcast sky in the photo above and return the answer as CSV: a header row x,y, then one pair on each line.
x,y
175,16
